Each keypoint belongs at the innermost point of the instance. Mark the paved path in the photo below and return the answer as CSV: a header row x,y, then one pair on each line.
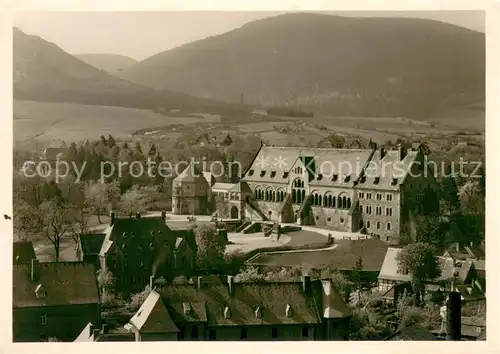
x,y
340,235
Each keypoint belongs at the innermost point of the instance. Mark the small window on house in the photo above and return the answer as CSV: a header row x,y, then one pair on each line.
x,y
194,332
320,177
378,225
262,173
305,332
250,173
258,312
388,226
394,181
186,306
368,196
389,197
347,178
341,220
329,219
211,334
274,332
285,175
362,179
368,224
335,177
227,312
43,319
243,333
317,217
376,180
273,174
40,292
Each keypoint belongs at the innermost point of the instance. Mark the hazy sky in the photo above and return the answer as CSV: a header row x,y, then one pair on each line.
x,y
142,34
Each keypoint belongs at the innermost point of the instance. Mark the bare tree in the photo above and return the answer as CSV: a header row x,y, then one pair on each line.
x,y
53,219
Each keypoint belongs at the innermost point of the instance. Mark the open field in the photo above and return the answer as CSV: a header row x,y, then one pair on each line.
x,y
74,122
46,121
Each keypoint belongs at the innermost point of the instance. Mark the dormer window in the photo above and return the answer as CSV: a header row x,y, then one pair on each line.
x,y
250,173
227,312
347,178
376,180
262,173
258,312
186,306
288,310
40,292
335,177
273,174
320,177
394,181
285,175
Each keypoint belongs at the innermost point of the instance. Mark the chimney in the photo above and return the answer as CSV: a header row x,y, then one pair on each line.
x,y
151,281
199,281
306,283
401,152
138,215
164,215
35,269
112,218
230,284
453,314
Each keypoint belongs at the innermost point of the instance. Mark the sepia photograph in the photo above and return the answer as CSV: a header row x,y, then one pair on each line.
x,y
248,176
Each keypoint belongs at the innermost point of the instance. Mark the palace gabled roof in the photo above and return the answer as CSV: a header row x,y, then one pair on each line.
x,y
335,167
326,162
388,172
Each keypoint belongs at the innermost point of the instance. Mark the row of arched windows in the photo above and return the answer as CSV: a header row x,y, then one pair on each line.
x,y
270,195
298,195
330,201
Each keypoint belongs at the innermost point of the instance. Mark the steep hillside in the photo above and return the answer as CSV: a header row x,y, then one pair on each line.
x,y
329,64
44,72
111,63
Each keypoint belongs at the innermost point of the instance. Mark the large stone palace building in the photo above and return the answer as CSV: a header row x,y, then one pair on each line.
x,y
373,190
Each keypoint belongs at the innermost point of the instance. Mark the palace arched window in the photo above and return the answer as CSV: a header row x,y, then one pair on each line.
x,y
298,190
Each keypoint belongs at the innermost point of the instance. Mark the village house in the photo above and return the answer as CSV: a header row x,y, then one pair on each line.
x,y
458,275
222,309
214,140
372,191
90,246
53,300
23,252
135,248
191,191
